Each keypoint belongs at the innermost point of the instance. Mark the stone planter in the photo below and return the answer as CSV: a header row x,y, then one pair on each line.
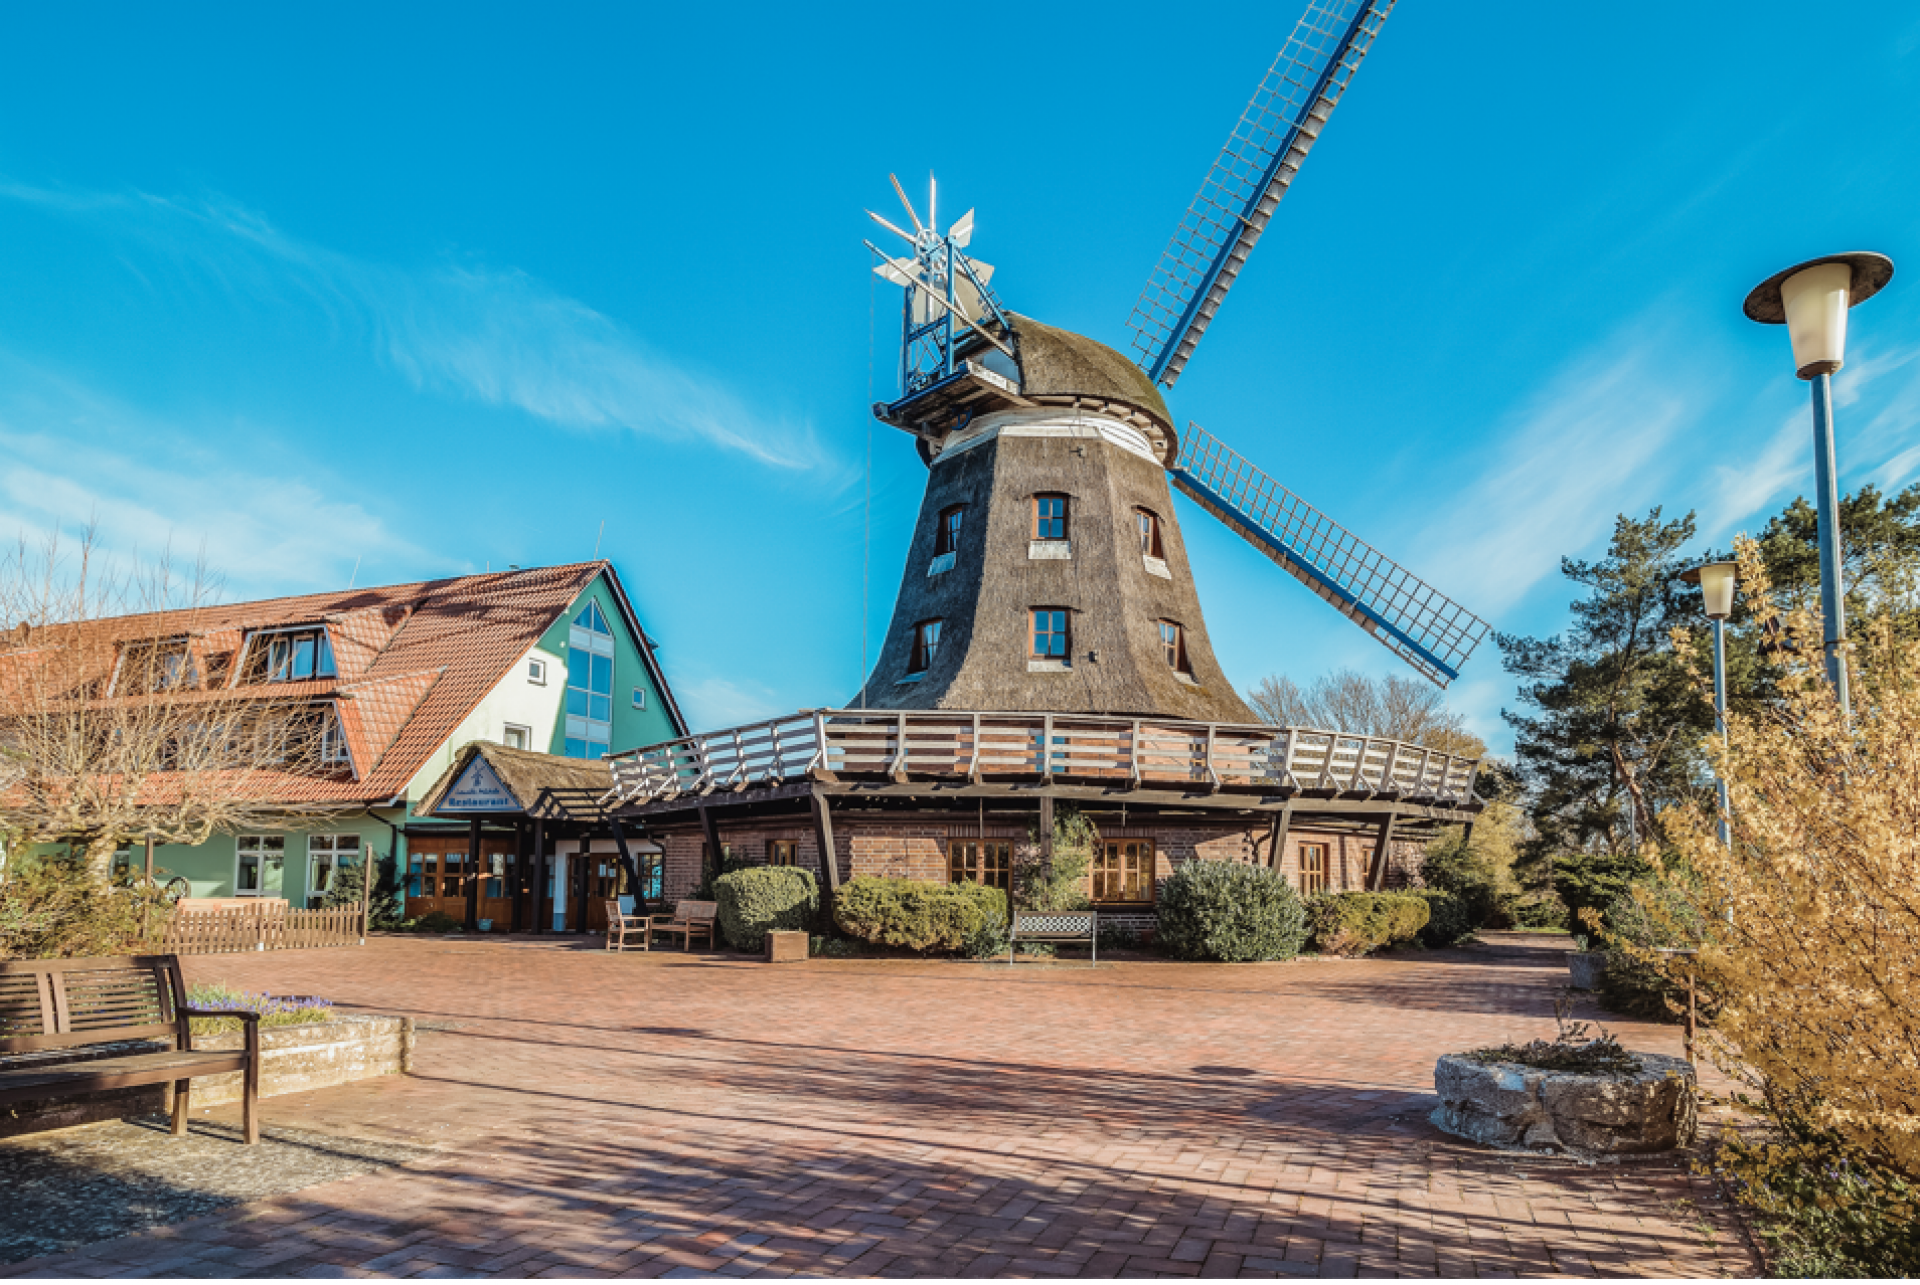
x,y
787,947
1514,1107
1585,968
294,1059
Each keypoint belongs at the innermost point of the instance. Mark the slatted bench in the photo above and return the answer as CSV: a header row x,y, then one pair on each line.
x,y
689,919
1063,927
82,1007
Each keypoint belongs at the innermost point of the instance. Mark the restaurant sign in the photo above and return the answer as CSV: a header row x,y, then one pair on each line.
x,y
479,790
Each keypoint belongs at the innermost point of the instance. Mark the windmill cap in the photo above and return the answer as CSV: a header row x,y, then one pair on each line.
x,y
1058,363
1871,272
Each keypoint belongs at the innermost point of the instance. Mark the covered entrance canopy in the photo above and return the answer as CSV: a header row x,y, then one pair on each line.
x,y
527,857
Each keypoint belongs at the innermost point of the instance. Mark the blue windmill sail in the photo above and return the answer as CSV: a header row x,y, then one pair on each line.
x,y
1246,183
1414,620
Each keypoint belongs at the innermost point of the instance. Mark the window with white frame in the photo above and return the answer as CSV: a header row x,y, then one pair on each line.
x,y
515,737
290,655
333,740
326,854
537,672
261,860
589,685
639,698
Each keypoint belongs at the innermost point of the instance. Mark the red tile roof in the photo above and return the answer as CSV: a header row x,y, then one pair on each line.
x,y
413,660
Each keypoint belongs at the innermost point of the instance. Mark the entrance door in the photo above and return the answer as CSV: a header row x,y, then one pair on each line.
x,y
439,873
603,880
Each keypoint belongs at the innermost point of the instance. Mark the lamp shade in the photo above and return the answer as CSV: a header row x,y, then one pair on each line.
x,y
1815,301
1812,299
1716,581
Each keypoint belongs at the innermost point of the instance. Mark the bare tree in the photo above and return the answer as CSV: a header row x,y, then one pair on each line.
x,y
1402,709
113,727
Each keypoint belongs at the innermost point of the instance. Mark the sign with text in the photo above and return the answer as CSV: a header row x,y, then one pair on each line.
x,y
479,790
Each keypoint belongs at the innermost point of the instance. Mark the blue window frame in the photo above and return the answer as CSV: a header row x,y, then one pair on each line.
x,y
589,685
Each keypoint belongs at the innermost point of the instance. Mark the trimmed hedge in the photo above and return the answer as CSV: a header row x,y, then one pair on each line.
x,y
918,915
1358,923
763,899
1230,912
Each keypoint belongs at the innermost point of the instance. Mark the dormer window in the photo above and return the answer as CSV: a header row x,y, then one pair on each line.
x,y
1049,517
926,645
289,655
1147,524
333,742
156,667
946,539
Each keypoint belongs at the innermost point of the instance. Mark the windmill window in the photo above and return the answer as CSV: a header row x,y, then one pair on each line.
x,y
1050,640
1147,524
589,685
926,645
947,538
1049,517
1313,869
1173,642
1123,871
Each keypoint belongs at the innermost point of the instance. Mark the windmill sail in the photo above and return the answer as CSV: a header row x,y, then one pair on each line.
x,y
1415,621
1246,183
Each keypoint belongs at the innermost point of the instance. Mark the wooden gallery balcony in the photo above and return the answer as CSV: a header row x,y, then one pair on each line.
x,y
956,754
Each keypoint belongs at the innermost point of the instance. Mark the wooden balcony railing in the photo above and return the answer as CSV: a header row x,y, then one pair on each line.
x,y
905,746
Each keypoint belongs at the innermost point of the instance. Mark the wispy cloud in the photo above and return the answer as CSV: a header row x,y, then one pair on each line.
x,y
1575,454
76,457
720,702
500,337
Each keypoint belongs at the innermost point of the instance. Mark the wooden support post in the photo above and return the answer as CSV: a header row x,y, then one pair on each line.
x,y
473,875
1382,846
149,859
829,856
1277,837
583,871
1046,828
712,866
366,890
542,917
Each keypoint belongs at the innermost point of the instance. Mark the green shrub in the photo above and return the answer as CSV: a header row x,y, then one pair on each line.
x,y
1358,923
1231,912
1532,910
730,863
763,899
1588,881
1453,865
1059,882
51,908
918,915
383,907
434,921
1448,919
1634,987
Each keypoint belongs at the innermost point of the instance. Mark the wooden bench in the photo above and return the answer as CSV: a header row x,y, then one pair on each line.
x,y
689,918
621,926
1067,927
71,1004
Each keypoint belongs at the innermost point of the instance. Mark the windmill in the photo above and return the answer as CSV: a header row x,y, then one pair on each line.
x,y
1049,404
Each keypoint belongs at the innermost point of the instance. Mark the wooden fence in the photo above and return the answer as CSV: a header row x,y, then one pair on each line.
x,y
263,924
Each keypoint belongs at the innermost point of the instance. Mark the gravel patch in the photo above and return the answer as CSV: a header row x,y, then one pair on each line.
x,y
72,1187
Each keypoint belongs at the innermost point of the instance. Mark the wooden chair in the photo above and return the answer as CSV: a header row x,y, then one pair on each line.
x,y
76,1004
690,919
621,926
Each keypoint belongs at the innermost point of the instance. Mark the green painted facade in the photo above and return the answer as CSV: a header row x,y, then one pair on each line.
x,y
213,867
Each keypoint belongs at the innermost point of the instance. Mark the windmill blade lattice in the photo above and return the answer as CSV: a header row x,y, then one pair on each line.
x,y
1414,620
1246,183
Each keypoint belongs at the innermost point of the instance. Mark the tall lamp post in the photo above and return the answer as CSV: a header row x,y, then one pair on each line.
x,y
1716,581
1811,299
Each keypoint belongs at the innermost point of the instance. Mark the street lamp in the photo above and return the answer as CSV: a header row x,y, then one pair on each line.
x,y
1716,581
1811,299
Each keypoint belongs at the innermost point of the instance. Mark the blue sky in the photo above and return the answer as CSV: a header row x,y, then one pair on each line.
x,y
420,290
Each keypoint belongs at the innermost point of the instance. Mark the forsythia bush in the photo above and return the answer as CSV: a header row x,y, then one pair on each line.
x,y
1356,923
1231,912
922,916
51,908
1809,943
763,899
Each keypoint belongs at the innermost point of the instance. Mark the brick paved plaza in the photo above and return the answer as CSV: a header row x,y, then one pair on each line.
x,y
648,1114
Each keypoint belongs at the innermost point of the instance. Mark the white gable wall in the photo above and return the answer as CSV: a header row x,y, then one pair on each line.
x,y
513,700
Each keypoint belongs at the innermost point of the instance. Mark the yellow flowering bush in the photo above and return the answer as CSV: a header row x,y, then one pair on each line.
x,y
1808,932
